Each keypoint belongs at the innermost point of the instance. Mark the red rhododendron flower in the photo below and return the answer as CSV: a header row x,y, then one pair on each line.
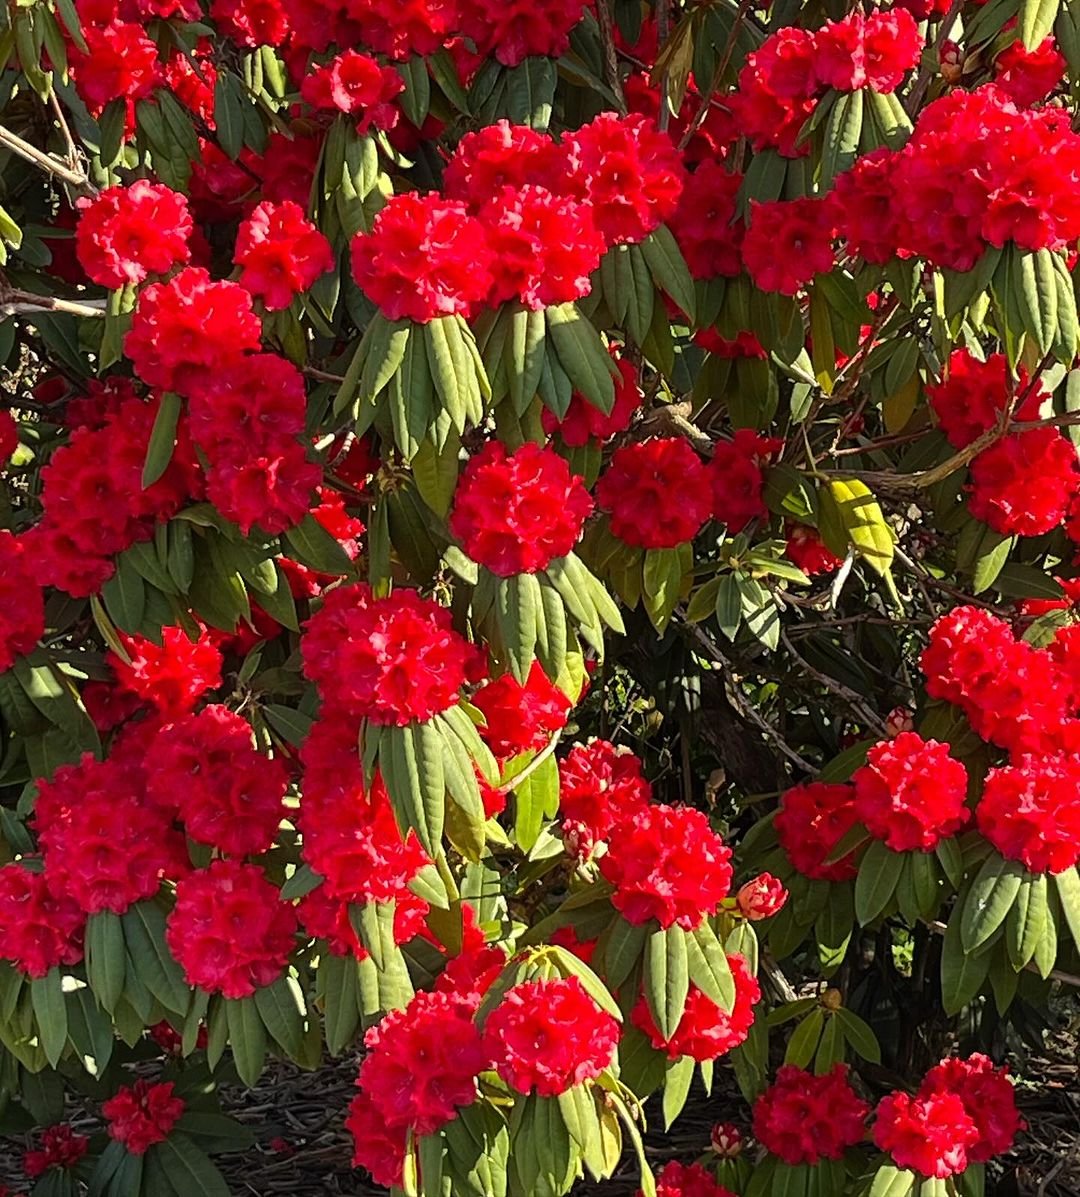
x,y
143,1115
251,23
706,1030
585,422
762,898
390,660
194,86
356,84
656,492
229,930
518,718
599,785
517,512
989,1099
970,399
497,156
726,1140
378,1146
40,928
705,224
513,30
667,863
1028,76
543,247
425,257
812,819
1023,483
548,1036
930,1134
863,206
1030,812
60,1148
566,937
188,327
911,793
776,90
788,242
804,1118
400,28
22,604
627,170
808,551
120,62
229,795
280,253
737,479
422,1062
687,1180
104,844
172,676
125,234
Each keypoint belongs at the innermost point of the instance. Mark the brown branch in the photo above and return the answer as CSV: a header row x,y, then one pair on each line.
x,y
47,162
717,75
611,58
854,700
13,302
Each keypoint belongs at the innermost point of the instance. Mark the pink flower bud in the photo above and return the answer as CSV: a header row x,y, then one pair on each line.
x,y
761,898
899,719
726,1140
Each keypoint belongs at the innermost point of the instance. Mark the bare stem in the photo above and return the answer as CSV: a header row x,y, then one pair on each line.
x,y
48,162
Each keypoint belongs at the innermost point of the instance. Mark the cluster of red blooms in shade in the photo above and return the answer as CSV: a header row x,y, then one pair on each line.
x,y
522,218
1022,699
963,1113
810,823
60,1148
40,926
706,1030
22,601
143,1115
783,80
516,512
676,1179
391,660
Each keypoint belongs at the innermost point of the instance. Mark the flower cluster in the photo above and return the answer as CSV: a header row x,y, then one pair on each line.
x,y
521,718
60,1148
737,479
656,493
280,253
803,1118
22,603
126,234
40,928
688,1180
358,86
599,786
517,512
143,1115
171,676
812,820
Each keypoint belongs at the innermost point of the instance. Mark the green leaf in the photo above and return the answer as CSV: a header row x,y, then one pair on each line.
x,y
124,595
247,1038
663,577
1068,888
708,966
144,933
159,451
281,1008
1036,21
989,900
667,978
879,875
804,1039
313,546
962,973
623,945
411,759
339,985
729,605
669,269
519,609
106,957
859,1035
1026,921
582,355
579,1115
189,1169
536,798
215,1132
90,1030
677,1081
50,1014
842,132
890,1181
530,92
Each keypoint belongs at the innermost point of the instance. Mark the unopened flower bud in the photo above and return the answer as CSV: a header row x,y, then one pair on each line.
x,y
761,898
726,1140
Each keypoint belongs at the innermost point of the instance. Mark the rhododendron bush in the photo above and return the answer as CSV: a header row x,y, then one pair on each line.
x,y
540,553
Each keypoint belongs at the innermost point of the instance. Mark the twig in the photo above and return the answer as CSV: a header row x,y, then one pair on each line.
x,y
69,141
532,766
854,700
322,375
611,59
13,301
46,161
717,75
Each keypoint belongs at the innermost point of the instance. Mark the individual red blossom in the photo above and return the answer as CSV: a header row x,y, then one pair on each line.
x,y
192,80
143,1114
737,479
585,422
228,794
969,400
775,94
706,1030
513,30
189,327
989,1099
627,170
425,257
120,62
272,490
666,863
251,23
863,205
892,46
22,603
549,1035
656,492
218,184
705,223
788,243
229,930
280,253
286,168
1023,484
599,786
422,1062
803,1118
812,819
930,1134
125,234
61,1148
1028,76
687,1180
357,85
400,28
40,927
543,246
497,156
762,898
391,660
911,793
378,1146
806,550
1030,812
519,718
516,512
172,676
